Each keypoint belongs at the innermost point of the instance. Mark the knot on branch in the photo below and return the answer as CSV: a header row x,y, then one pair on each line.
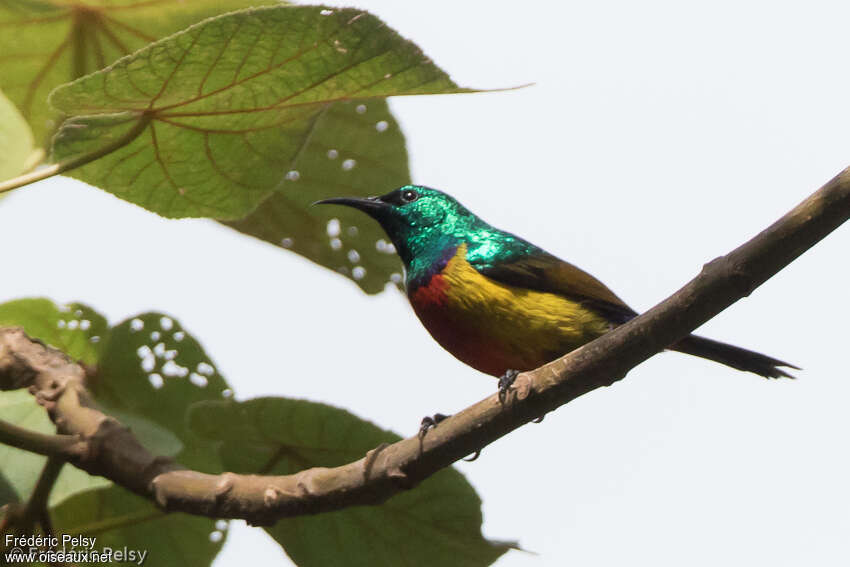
x,y
400,478
730,271
224,486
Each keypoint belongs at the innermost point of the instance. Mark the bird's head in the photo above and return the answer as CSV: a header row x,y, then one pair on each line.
x,y
415,218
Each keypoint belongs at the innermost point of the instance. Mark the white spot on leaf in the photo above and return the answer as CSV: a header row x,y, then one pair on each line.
x,y
198,380
333,228
205,369
156,381
171,368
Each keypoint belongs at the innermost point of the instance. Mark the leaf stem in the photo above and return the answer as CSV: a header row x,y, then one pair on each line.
x,y
75,162
36,507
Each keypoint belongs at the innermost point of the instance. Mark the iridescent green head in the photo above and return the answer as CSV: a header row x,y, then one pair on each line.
x,y
420,221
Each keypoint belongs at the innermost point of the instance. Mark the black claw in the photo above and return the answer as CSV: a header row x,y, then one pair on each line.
x,y
539,419
474,456
429,422
505,383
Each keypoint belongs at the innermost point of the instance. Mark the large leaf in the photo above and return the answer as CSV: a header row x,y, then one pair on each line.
x,y
353,148
75,329
150,367
437,523
210,120
120,519
45,43
16,145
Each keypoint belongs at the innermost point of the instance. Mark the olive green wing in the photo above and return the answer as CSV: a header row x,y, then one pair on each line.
x,y
535,269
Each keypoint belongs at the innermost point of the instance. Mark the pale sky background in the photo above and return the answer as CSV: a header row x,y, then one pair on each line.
x,y
658,136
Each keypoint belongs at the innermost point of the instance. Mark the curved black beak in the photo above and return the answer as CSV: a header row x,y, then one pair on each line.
x,y
369,205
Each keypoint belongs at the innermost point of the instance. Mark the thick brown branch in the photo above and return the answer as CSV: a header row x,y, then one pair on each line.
x,y
57,383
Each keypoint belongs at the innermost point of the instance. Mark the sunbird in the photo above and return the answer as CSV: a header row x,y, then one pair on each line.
x,y
499,303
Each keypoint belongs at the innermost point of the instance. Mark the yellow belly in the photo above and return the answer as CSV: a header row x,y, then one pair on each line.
x,y
496,327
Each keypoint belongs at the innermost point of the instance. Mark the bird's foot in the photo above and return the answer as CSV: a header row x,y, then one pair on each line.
x,y
505,383
429,422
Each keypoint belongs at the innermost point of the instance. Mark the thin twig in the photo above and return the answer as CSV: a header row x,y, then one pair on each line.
x,y
36,507
62,446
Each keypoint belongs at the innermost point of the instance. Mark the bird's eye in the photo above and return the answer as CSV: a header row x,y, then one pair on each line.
x,y
409,195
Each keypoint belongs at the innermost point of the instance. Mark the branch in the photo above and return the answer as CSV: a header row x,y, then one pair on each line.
x,y
65,447
115,453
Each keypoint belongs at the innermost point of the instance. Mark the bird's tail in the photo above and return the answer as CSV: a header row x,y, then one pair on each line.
x,y
733,356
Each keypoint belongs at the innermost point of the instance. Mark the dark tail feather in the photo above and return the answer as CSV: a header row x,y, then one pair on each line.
x,y
733,356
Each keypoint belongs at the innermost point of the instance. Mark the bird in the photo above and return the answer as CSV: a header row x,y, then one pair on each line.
x,y
501,304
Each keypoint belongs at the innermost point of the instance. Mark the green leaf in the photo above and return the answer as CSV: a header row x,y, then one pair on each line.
x,y
223,109
16,145
158,440
120,519
75,329
45,43
151,367
126,358
437,523
353,149
21,468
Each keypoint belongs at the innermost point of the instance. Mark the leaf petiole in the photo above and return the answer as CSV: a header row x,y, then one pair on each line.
x,y
75,162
